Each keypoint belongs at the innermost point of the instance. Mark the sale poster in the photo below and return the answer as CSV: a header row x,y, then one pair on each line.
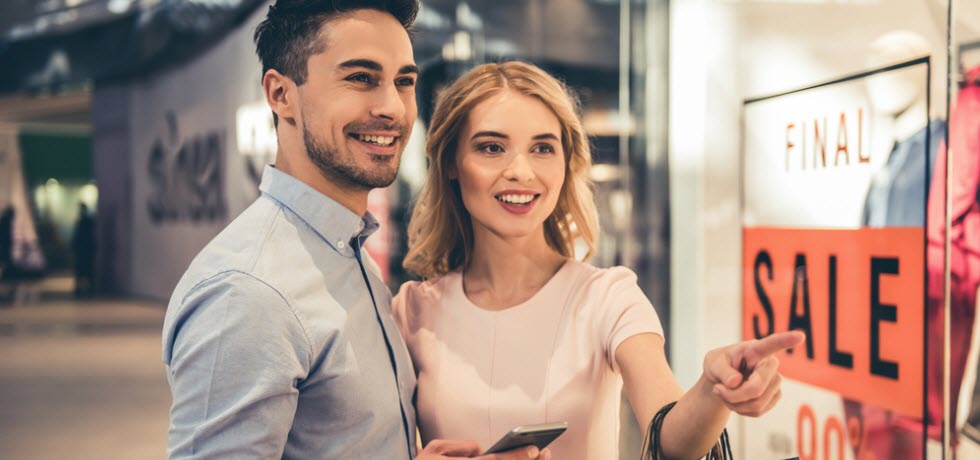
x,y
835,184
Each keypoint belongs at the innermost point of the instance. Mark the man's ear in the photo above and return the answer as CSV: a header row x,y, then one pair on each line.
x,y
280,94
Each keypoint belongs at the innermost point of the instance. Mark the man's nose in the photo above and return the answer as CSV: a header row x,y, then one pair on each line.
x,y
388,103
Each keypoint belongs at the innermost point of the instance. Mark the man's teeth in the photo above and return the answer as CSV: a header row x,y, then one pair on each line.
x,y
516,199
379,140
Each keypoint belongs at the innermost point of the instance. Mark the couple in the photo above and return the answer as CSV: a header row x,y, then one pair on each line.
x,y
281,340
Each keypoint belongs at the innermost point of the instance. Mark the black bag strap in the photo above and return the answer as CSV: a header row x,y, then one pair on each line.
x,y
722,449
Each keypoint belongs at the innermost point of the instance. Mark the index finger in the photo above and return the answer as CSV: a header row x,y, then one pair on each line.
x,y
776,342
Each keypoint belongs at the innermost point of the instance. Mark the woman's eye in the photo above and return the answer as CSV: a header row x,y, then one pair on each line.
x,y
544,148
491,148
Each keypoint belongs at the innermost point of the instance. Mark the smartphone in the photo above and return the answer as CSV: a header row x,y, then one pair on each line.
x,y
529,435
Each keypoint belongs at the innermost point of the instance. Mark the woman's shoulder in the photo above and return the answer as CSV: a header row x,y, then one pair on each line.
x,y
417,303
584,273
599,287
415,294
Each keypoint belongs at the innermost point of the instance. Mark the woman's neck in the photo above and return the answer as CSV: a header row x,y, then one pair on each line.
x,y
504,272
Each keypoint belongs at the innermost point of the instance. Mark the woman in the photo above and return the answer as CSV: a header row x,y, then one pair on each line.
x,y
509,328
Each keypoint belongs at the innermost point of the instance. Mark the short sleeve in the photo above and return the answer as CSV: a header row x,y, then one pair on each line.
x,y
624,310
235,355
399,306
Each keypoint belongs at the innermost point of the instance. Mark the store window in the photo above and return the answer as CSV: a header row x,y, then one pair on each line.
x,y
855,125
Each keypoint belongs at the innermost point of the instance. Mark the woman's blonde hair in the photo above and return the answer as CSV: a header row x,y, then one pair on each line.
x,y
440,234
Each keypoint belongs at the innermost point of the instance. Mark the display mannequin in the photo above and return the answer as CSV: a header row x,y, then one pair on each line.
x,y
896,197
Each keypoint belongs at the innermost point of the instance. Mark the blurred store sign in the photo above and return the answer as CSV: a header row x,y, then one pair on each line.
x,y
187,174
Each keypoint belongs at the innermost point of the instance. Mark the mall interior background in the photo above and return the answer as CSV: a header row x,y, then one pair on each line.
x,y
150,112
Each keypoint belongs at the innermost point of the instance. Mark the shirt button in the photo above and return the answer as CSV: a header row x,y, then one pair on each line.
x,y
341,244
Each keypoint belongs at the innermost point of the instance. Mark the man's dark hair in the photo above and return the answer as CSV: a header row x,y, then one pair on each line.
x,y
290,33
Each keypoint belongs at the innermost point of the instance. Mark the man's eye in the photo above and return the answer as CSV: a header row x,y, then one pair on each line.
x,y
406,82
360,78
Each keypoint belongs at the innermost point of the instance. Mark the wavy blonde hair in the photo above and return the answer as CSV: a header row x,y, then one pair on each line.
x,y
440,233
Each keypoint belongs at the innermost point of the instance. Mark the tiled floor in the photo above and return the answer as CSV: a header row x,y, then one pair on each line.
x,y
82,380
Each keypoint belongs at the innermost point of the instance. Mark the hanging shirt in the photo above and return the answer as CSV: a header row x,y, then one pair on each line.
x,y
897,195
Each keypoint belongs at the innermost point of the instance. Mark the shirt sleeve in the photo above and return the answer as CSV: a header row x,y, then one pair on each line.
x,y
398,306
236,354
624,311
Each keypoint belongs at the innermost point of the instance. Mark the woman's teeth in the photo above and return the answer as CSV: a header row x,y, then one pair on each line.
x,y
377,140
516,199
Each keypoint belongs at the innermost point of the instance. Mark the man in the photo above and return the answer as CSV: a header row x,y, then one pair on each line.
x,y
278,340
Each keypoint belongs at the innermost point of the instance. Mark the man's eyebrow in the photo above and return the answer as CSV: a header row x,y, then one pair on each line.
x,y
363,63
375,66
490,134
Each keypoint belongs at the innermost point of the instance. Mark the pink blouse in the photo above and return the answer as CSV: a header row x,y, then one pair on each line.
x,y
549,359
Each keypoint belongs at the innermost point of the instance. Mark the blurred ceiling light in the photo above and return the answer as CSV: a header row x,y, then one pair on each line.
x,y
66,17
430,19
459,49
227,3
119,6
89,195
462,44
467,18
604,173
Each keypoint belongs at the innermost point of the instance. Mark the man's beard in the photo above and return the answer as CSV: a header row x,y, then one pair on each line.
x,y
345,170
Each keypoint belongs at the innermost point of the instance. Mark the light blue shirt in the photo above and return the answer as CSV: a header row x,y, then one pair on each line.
x,y
279,342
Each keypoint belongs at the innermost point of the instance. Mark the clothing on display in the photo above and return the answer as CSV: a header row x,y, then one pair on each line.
x,y
897,195
897,198
964,235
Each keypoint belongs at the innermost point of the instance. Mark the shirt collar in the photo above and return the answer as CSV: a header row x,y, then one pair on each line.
x,y
336,224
